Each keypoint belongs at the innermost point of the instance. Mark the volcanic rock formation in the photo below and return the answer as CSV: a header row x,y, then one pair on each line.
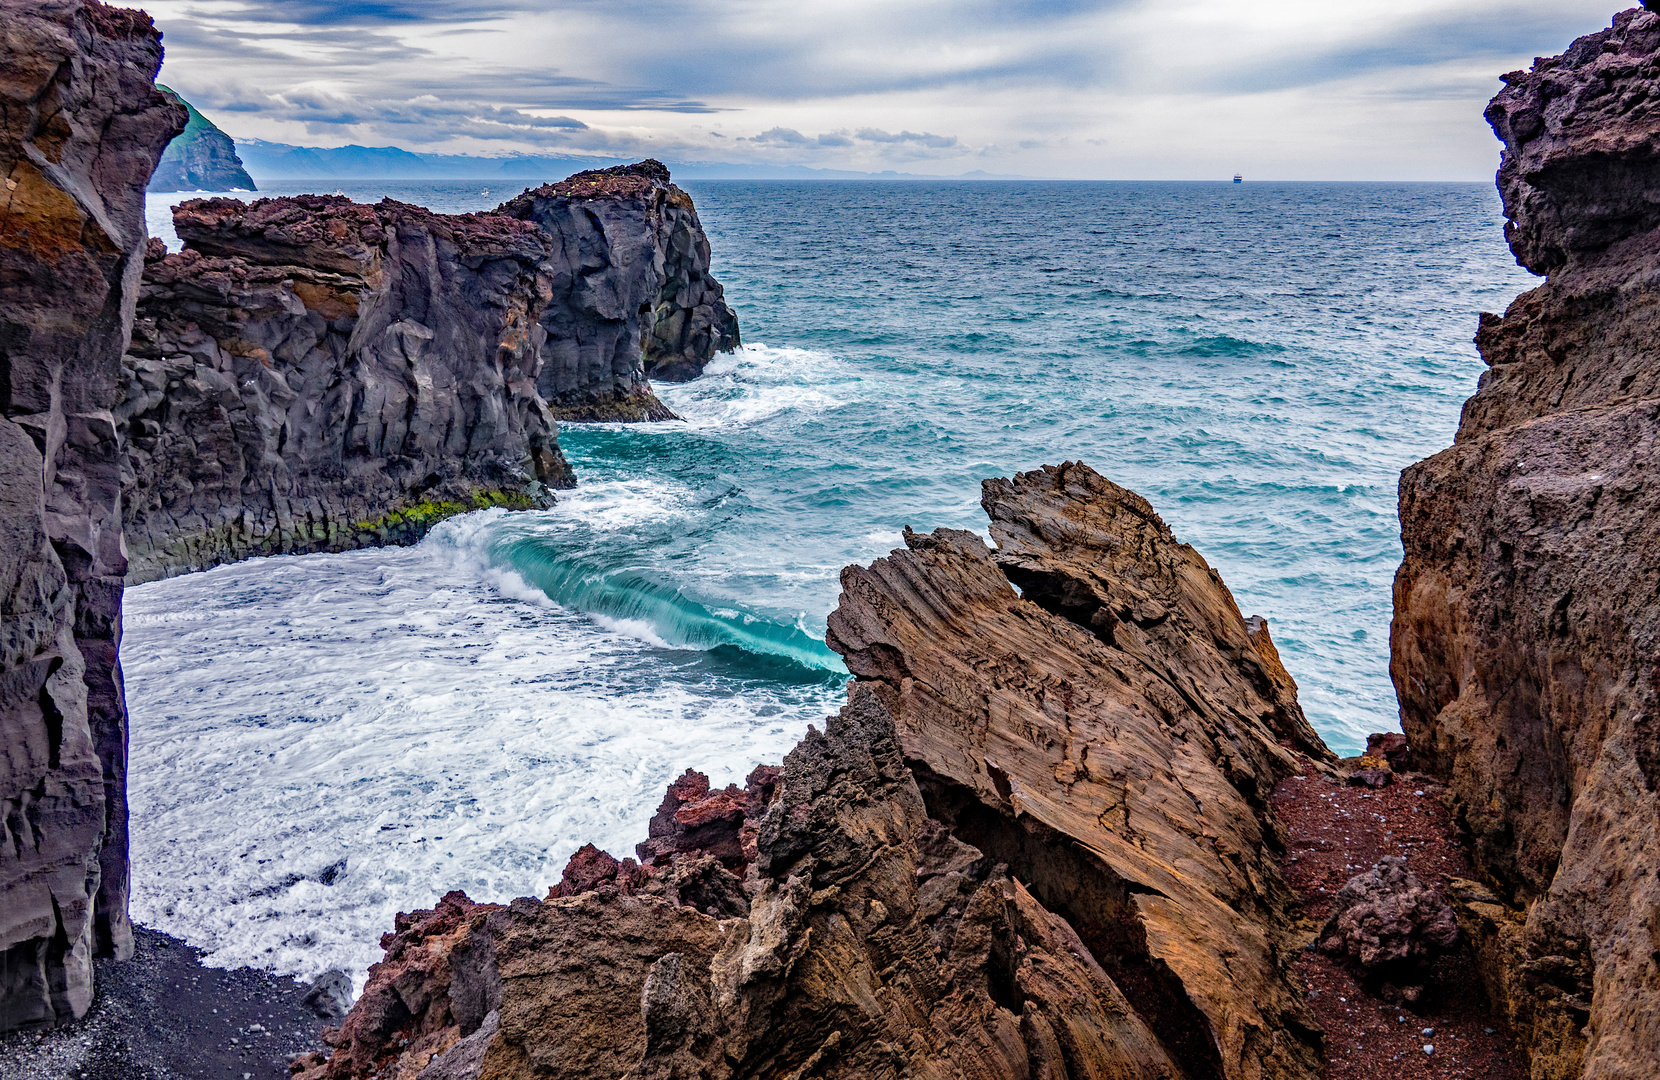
x,y
1526,640
201,158
314,374
632,298
1035,843
81,127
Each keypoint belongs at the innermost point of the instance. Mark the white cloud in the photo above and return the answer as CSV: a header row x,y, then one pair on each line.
x,y
1084,88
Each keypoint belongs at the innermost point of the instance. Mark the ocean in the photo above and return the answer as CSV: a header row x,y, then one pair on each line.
x,y
320,741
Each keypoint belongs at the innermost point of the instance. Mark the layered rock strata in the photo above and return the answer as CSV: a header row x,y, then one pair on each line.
x,y
1035,843
631,294
1526,640
201,158
81,127
314,374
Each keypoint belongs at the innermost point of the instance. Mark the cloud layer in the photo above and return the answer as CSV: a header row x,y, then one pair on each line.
x,y
1082,88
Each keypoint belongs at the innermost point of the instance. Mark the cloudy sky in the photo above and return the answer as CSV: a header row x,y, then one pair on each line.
x,y
1107,89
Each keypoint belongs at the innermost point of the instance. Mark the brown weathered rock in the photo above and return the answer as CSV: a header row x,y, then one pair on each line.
x,y
1527,631
81,128
631,295
1386,922
1056,864
1113,734
1392,748
314,374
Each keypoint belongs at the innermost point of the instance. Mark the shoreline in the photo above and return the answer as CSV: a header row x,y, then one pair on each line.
x,y
163,1015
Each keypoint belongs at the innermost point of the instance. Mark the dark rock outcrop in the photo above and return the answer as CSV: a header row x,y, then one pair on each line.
x,y
83,126
1035,843
631,299
1387,923
1526,640
314,374
200,158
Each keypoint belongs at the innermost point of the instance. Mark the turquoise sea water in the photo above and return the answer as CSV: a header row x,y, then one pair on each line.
x,y
1258,360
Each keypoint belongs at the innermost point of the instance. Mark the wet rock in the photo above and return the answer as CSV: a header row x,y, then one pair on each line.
x,y
631,297
81,128
314,374
1524,644
1386,922
330,995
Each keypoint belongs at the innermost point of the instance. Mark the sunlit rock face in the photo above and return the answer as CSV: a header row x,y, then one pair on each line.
x,y
1035,843
1526,638
81,128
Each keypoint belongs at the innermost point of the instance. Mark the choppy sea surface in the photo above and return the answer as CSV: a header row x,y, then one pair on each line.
x,y
319,742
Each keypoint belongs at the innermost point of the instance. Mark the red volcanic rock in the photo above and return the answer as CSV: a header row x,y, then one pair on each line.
x,y
423,998
1390,747
1386,921
719,823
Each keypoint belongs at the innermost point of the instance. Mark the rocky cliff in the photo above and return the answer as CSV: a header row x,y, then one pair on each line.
x,y
1035,843
1526,640
314,374
201,158
632,298
81,128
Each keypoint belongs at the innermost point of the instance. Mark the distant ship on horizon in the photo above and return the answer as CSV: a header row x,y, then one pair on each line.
x,y
1238,179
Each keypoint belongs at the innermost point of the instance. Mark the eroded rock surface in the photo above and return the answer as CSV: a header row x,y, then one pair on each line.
x,y
1527,630
81,128
1025,848
314,374
1386,922
631,294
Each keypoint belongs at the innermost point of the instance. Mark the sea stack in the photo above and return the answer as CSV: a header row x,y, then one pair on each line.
x,y
1035,843
201,158
83,128
1526,639
632,296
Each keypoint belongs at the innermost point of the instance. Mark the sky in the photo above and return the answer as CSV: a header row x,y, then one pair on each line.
x,y
1085,89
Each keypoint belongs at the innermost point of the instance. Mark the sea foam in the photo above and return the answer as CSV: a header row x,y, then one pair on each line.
x,y
322,741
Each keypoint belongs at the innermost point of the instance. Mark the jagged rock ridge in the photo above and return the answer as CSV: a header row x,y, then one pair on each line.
x,y
81,127
200,158
1035,843
314,374
1526,640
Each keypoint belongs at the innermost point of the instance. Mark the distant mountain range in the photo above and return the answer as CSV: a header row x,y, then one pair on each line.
x,y
204,158
269,162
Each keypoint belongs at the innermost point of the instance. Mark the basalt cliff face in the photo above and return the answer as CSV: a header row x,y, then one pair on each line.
x,y
1526,640
1035,843
631,299
314,374
201,158
81,127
